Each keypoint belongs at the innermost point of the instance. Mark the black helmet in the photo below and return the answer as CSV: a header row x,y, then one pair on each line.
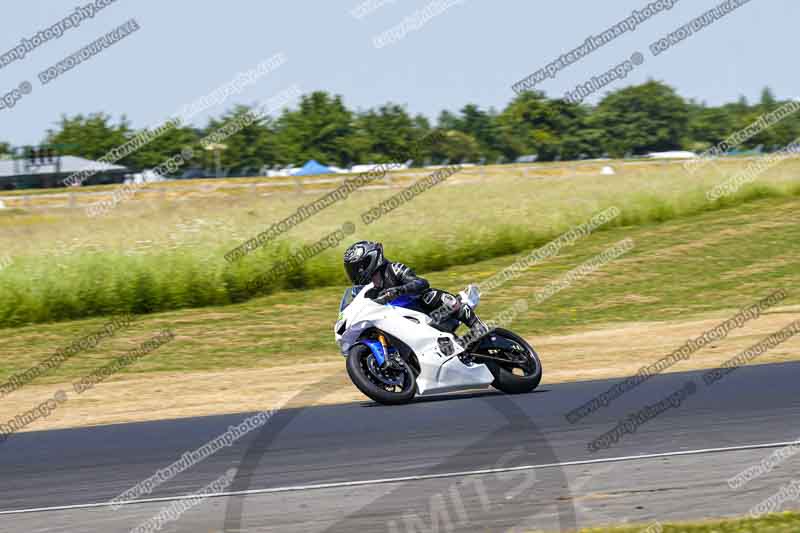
x,y
362,259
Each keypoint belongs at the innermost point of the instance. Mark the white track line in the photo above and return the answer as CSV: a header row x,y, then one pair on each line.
x,y
423,477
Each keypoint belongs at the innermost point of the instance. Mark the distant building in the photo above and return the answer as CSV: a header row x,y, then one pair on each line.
x,y
20,174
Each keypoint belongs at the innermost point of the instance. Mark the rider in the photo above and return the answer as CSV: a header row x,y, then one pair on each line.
x,y
364,262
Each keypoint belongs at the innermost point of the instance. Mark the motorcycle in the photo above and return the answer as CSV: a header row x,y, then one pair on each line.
x,y
395,351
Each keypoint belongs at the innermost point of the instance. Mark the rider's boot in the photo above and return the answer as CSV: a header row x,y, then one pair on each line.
x,y
477,328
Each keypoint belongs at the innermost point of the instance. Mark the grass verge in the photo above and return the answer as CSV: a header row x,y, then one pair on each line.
x,y
140,265
710,263
776,523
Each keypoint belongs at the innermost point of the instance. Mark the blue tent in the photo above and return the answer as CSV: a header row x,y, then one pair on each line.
x,y
313,168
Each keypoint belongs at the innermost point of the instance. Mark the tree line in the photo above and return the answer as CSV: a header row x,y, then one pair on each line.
x,y
632,121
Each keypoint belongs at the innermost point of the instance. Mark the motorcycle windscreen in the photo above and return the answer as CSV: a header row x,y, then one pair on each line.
x,y
349,296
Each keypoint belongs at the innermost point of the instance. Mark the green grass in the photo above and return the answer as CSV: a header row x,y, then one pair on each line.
x,y
710,262
776,523
151,257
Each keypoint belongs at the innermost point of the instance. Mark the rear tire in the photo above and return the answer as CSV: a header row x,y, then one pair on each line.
x,y
358,370
504,378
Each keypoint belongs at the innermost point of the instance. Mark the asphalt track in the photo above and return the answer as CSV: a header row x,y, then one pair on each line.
x,y
466,462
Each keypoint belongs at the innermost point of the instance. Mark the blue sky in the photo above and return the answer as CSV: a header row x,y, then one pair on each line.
x,y
472,52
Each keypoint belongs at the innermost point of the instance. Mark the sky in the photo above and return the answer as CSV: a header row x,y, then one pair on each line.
x,y
468,51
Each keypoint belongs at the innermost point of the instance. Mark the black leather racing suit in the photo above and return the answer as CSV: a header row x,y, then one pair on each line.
x,y
441,305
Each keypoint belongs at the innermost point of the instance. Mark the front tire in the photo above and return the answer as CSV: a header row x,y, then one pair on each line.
x,y
523,372
377,384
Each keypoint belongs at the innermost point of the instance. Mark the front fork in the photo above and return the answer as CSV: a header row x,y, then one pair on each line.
x,y
385,355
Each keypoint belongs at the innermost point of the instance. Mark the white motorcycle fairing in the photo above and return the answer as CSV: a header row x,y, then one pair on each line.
x,y
439,372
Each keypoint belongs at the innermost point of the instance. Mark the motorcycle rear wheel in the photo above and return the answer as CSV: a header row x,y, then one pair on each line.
x,y
523,371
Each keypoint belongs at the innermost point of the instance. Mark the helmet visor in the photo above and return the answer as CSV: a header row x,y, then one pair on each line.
x,y
359,271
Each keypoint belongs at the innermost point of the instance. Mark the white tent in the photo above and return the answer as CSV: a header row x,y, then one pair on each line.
x,y
672,155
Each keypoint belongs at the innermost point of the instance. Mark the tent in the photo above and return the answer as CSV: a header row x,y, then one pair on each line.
x,y
313,168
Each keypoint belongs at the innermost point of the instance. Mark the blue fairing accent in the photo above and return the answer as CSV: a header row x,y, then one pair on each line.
x,y
409,301
377,350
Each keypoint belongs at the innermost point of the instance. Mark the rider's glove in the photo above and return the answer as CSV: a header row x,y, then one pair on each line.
x,y
387,295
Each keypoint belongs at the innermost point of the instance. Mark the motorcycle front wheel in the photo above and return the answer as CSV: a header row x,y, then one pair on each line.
x,y
388,386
